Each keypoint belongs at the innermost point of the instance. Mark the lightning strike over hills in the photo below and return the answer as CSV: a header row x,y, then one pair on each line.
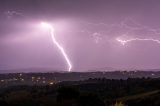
x,y
46,25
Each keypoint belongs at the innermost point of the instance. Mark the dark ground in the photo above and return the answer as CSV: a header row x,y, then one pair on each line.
x,y
91,92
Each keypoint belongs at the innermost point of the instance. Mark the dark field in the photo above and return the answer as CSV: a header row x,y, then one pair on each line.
x,y
91,92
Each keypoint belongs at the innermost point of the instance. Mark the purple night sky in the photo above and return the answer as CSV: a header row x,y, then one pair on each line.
x,y
87,30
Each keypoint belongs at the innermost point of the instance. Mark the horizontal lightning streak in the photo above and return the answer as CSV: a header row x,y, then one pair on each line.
x,y
123,42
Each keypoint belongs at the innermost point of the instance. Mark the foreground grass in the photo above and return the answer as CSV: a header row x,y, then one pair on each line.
x,y
142,95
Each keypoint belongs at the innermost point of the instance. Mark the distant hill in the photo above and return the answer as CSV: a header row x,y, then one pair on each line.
x,y
29,70
104,69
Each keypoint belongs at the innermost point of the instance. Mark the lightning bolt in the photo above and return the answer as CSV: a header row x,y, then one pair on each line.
x,y
137,27
58,45
123,42
61,49
127,27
